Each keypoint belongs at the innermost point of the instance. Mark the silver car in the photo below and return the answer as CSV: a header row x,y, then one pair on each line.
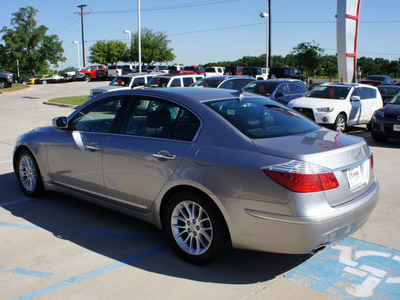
x,y
213,168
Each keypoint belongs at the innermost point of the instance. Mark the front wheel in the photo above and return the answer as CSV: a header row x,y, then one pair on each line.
x,y
28,174
340,123
195,228
87,78
3,84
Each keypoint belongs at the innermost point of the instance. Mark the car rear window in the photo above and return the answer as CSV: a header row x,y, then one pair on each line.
x,y
258,118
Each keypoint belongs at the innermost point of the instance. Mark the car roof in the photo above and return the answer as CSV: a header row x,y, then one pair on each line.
x,y
187,95
342,84
138,74
225,77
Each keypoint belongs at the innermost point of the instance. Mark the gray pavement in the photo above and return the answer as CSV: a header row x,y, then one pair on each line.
x,y
59,247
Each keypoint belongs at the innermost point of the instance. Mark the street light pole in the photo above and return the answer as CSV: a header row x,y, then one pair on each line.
x,y
139,39
79,61
265,15
129,37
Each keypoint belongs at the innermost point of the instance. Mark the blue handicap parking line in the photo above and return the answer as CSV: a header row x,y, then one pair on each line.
x,y
27,272
88,232
17,202
352,269
91,274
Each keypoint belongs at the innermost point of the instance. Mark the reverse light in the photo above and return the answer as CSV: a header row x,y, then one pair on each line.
x,y
302,177
325,109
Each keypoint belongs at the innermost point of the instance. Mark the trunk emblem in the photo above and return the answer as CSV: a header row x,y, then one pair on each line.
x,y
357,155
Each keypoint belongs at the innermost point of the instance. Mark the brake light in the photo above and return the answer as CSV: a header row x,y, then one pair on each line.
x,y
302,177
372,161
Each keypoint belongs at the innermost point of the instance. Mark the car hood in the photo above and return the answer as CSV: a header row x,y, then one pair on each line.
x,y
314,102
323,147
391,110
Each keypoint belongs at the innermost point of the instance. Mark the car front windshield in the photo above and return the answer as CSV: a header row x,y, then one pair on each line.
x,y
264,88
330,92
262,118
395,100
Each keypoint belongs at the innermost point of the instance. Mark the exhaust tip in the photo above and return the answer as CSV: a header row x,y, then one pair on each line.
x,y
318,249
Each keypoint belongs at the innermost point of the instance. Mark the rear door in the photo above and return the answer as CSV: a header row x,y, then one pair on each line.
x,y
154,139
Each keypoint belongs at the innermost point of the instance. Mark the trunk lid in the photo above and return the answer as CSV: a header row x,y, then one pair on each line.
x,y
347,156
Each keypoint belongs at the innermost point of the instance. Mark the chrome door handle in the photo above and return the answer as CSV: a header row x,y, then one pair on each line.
x,y
93,146
164,155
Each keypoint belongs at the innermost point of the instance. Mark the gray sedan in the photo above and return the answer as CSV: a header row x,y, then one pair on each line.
x,y
213,168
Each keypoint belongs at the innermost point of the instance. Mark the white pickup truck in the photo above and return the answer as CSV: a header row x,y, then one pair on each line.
x,y
214,71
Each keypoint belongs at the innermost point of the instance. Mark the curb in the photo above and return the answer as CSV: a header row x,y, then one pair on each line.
x,y
19,91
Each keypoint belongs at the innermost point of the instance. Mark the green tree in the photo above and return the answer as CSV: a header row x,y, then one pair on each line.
x,y
154,48
368,66
308,56
329,65
107,52
29,44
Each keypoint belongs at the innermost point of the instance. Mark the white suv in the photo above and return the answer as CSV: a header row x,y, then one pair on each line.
x,y
125,82
339,105
174,80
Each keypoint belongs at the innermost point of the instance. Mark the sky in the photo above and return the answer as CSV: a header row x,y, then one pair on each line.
x,y
214,30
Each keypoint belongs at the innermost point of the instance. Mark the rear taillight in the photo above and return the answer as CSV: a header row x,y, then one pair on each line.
x,y
372,162
302,177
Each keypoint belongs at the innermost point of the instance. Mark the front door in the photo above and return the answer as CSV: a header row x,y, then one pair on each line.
x,y
75,155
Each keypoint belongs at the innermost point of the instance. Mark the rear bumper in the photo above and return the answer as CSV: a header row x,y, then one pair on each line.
x,y
265,231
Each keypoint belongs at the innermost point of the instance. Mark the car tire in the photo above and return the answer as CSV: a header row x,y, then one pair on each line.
x,y
340,123
87,78
28,174
195,227
3,84
377,137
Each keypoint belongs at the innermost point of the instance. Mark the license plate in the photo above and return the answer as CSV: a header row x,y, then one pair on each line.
x,y
355,177
396,127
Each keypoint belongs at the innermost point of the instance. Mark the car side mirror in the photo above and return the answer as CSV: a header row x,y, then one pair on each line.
x,y
135,85
277,95
355,98
60,122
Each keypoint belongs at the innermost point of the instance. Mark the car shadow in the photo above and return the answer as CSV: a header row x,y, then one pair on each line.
x,y
362,132
119,237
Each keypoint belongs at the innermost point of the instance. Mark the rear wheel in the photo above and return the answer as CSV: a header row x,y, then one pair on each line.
x,y
28,174
195,228
340,123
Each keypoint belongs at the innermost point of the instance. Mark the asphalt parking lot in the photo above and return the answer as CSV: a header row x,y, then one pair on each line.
x,y
59,247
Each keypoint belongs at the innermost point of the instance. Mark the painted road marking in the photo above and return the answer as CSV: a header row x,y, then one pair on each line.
x,y
91,274
89,232
352,269
27,272
17,202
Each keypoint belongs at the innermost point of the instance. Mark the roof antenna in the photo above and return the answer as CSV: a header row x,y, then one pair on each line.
x,y
238,95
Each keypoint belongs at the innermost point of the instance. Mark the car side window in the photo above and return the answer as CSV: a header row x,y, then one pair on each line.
x,y
99,116
176,82
227,85
296,89
187,81
282,89
369,93
357,92
159,118
139,81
